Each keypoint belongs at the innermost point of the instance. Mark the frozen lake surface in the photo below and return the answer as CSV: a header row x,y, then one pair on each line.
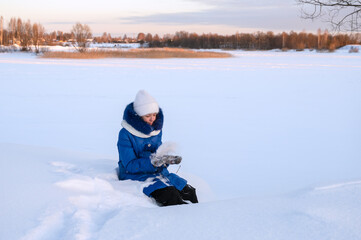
x,y
271,140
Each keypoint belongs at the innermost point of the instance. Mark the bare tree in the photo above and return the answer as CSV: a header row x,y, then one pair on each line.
x,y
17,29
125,38
148,37
319,45
12,25
60,36
104,37
81,34
1,30
26,35
38,34
344,15
140,37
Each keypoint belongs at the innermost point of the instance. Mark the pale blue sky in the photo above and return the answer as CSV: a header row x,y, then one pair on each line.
x,y
162,16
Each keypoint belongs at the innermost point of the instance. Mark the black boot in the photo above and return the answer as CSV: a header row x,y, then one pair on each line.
x,y
167,196
189,193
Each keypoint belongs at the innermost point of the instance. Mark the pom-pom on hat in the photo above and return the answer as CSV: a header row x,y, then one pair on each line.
x,y
145,104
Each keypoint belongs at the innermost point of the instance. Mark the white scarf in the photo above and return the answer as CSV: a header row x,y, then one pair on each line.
x,y
135,132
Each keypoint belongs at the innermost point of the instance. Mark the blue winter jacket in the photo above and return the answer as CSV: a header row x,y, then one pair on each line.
x,y
137,141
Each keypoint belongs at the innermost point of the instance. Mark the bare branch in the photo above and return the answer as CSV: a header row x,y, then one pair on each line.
x,y
341,14
81,34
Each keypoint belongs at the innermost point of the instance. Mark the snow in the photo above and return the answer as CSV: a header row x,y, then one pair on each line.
x,y
270,140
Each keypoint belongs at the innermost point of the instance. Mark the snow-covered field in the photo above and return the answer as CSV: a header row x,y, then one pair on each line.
x,y
271,140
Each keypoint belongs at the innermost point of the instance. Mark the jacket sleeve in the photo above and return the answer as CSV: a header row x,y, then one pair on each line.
x,y
130,161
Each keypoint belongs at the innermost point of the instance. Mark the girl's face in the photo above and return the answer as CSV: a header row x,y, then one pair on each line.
x,y
149,118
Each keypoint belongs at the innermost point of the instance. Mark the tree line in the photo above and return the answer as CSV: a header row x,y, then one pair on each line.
x,y
29,35
323,40
33,35
22,33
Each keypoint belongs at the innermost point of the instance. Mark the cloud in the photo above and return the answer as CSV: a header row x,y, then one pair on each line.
x,y
240,16
275,15
244,4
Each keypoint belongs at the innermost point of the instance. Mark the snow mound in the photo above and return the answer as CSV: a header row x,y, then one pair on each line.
x,y
66,194
350,47
80,198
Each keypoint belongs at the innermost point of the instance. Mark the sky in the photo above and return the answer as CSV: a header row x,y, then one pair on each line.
x,y
120,17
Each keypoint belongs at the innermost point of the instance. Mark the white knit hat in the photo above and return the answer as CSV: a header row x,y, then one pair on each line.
x,y
145,104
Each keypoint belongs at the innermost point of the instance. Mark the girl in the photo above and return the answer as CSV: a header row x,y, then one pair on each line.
x,y
138,142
